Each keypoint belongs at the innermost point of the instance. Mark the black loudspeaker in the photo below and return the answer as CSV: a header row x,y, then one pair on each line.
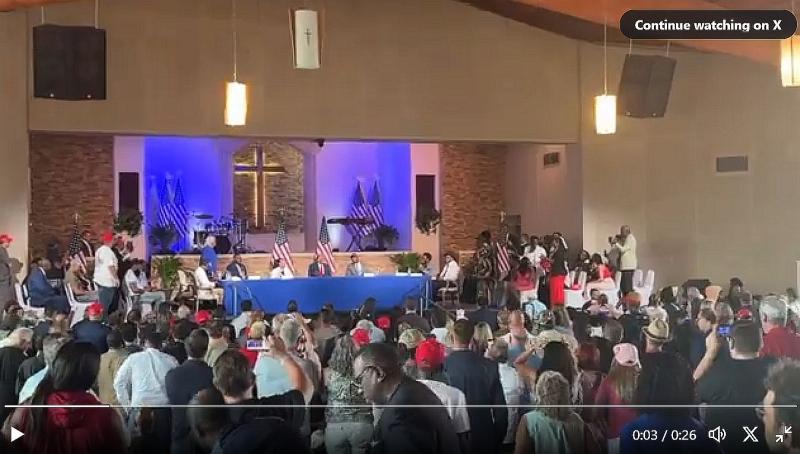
x,y
128,191
426,191
69,62
645,84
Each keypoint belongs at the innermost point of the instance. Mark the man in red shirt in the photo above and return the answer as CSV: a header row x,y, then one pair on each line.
x,y
779,341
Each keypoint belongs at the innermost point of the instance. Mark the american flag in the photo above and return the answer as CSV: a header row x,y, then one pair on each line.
x,y
360,209
503,261
324,246
164,219
281,249
182,216
75,252
375,205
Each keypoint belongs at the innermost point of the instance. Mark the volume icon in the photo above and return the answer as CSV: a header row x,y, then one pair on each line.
x,y
717,434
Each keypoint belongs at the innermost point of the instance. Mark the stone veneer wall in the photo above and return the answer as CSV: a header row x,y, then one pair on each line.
x,y
472,192
69,173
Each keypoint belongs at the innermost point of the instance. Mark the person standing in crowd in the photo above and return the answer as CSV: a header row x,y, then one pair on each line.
x,y
130,336
137,284
633,319
105,272
209,255
736,380
347,415
666,392
628,262
426,264
779,341
616,391
354,268
413,420
93,330
612,335
280,270
552,426
6,272
783,388
63,428
413,319
237,268
558,272
479,379
244,319
512,388
50,346
217,343
182,383
110,362
176,344
13,350
318,268
40,292
656,335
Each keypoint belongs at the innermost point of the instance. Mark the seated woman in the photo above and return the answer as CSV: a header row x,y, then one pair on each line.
x,y
601,277
525,280
280,270
75,277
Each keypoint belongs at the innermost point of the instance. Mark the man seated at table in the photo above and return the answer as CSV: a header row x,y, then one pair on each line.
x,y
355,268
206,289
426,264
449,273
137,283
318,268
237,269
280,270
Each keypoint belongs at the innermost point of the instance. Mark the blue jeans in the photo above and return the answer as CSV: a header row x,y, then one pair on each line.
x,y
106,296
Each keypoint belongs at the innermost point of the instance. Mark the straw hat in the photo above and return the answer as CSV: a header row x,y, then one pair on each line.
x,y
658,331
411,338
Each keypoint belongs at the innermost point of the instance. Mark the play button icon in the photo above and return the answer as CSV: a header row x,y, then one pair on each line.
x,y
16,434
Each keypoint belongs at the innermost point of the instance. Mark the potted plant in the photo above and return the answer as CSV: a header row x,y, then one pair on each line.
x,y
428,219
128,221
385,235
167,268
163,237
406,262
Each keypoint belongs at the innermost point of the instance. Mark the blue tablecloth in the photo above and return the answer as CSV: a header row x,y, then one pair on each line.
x,y
311,293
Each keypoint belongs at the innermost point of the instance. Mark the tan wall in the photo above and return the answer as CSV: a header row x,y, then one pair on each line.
x,y
14,185
417,69
658,174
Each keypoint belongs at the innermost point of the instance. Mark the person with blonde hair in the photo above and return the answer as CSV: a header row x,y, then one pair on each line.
x,y
482,338
12,354
616,390
552,426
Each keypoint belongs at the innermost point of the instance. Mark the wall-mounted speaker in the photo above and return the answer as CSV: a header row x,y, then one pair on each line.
x,y
645,85
69,62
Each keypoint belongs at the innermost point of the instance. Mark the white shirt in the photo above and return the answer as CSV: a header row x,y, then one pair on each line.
x,y
104,259
450,271
241,322
280,272
627,260
512,389
136,283
201,277
455,401
141,380
535,256
440,333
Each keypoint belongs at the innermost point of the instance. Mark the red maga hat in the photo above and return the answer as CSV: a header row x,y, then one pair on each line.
x,y
6,238
360,337
94,310
430,353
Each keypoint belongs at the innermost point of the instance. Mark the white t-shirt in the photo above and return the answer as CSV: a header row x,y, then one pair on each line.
x,y
450,271
278,273
104,259
454,400
136,283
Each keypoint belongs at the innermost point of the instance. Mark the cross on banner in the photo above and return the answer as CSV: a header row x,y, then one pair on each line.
x,y
308,36
259,171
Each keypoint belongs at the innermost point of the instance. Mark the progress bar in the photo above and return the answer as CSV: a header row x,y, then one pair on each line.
x,y
531,406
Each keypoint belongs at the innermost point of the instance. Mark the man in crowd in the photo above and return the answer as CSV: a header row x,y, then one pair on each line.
x,y
354,268
93,330
242,321
656,336
737,380
633,319
182,383
237,269
779,341
413,420
50,346
628,262
105,272
412,319
130,336
479,379
110,362
39,290
176,345
318,268
783,388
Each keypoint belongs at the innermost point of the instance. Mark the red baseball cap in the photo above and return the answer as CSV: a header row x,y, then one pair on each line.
x,y
744,314
430,353
6,238
384,322
94,310
108,237
203,317
360,337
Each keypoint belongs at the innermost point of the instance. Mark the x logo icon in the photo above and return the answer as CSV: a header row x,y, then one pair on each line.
x,y
750,434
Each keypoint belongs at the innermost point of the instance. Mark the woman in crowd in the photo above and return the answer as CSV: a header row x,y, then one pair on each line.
x,y
258,331
589,371
69,430
584,262
551,427
618,388
349,418
483,338
558,357
600,277
525,281
558,272
13,351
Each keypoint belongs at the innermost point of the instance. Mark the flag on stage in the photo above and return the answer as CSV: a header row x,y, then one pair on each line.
x,y
360,210
182,214
172,209
164,219
75,252
154,205
281,249
503,260
324,246
375,205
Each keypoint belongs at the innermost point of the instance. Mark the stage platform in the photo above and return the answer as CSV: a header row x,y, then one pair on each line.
x,y
258,264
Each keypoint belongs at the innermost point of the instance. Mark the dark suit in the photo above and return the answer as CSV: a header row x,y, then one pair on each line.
x,y
92,332
314,268
239,271
42,294
479,379
182,384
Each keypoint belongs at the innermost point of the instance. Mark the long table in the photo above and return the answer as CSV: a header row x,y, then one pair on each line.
x,y
311,293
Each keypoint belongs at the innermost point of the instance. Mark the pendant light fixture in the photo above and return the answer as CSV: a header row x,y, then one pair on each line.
x,y
790,60
605,105
235,91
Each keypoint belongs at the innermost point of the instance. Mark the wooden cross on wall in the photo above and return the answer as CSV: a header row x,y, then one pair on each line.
x,y
260,212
